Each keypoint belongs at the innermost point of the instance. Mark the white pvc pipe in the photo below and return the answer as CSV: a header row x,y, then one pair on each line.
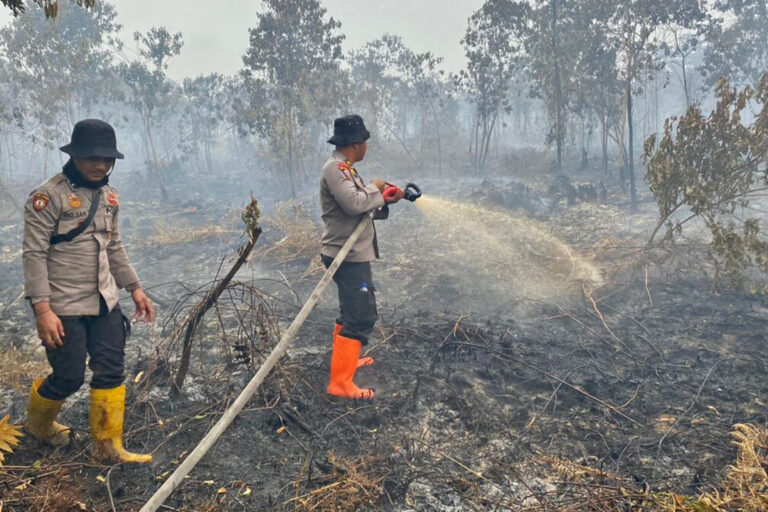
x,y
230,414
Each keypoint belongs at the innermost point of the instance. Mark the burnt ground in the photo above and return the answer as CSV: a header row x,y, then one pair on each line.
x,y
476,408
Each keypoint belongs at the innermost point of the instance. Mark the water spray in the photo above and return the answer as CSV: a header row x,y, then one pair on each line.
x,y
411,192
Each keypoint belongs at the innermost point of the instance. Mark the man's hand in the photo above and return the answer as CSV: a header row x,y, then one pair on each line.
x,y
393,194
49,326
144,309
379,183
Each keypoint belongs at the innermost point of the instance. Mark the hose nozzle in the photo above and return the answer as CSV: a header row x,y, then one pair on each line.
x,y
412,192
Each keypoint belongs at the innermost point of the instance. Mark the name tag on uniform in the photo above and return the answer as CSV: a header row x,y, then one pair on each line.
x,y
74,214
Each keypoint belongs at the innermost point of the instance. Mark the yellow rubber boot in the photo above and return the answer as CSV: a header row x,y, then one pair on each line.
x,y
41,418
363,361
106,413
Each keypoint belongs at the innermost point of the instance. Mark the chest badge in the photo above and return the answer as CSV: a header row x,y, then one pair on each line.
x,y
74,201
112,199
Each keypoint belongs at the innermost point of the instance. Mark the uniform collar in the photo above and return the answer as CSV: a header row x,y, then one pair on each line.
x,y
338,155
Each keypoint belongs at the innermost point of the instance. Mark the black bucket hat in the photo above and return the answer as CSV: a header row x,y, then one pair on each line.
x,y
349,130
93,138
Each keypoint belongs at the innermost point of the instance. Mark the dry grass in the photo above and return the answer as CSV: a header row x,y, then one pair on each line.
x,y
352,485
166,234
300,236
745,488
529,162
18,368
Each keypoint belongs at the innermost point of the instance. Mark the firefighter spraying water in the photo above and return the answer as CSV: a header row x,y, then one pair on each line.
x,y
351,236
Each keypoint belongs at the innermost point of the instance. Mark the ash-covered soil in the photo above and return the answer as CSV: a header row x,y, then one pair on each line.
x,y
480,387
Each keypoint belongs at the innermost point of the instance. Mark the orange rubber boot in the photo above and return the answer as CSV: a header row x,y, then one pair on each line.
x,y
343,366
363,361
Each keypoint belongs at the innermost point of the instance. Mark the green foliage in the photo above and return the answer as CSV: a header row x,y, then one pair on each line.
x,y
581,58
158,46
205,109
292,78
50,7
493,46
54,62
251,216
737,42
148,91
636,26
557,41
391,84
712,167
146,77
376,81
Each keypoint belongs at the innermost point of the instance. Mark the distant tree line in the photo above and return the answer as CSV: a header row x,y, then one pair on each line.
x,y
581,77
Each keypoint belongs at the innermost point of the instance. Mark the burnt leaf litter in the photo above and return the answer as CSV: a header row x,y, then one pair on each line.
x,y
621,395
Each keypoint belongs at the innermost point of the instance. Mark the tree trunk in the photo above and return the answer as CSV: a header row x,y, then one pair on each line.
x,y
291,170
11,148
621,143
630,148
558,90
439,143
685,81
584,155
476,146
423,136
208,160
488,126
155,162
604,126
656,103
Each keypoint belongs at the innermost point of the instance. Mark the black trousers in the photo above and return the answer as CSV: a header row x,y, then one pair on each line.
x,y
357,299
102,338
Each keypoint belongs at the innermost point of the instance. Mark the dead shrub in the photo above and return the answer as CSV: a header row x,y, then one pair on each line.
x,y
350,486
746,486
527,162
300,236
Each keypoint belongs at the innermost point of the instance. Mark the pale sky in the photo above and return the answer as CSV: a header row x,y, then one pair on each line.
x,y
215,37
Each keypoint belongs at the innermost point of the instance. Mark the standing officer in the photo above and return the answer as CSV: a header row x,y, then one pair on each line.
x,y
74,264
345,199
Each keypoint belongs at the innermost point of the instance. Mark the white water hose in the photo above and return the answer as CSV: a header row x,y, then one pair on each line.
x,y
230,414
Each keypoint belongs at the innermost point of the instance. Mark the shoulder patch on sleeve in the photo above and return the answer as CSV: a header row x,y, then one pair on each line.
x,y
40,201
345,170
